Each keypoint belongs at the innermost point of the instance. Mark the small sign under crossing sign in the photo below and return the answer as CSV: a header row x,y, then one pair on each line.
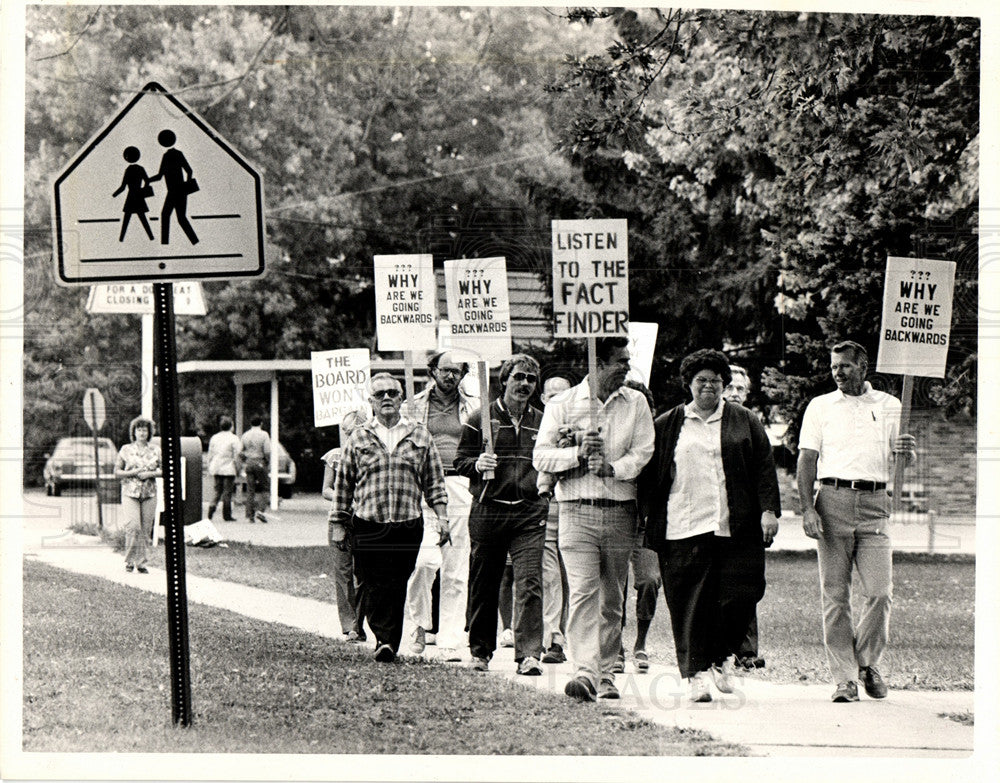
x,y
157,195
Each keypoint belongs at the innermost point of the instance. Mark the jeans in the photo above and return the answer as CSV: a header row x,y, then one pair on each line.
x,y
855,535
224,491
256,483
496,529
596,544
452,561
384,555
139,517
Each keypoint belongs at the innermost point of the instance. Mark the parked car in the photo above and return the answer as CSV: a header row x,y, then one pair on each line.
x,y
71,463
286,474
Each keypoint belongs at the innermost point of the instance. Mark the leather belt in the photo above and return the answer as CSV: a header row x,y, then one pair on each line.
x,y
601,502
451,472
858,484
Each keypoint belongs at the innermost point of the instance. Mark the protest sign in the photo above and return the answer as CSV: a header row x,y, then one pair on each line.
x,y
340,383
478,306
641,346
405,299
590,278
916,317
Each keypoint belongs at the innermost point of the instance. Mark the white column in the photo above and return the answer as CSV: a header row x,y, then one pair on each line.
x,y
146,368
274,441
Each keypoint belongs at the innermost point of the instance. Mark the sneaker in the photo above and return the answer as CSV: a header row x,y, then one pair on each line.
x,y
129,567
529,666
507,638
618,667
419,641
607,689
554,654
641,661
479,664
875,686
723,675
351,636
142,569
579,688
430,638
699,689
846,691
450,654
384,654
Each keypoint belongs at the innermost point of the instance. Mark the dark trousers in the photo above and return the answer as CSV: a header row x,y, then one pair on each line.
x,y
712,585
494,530
257,485
748,649
384,557
224,492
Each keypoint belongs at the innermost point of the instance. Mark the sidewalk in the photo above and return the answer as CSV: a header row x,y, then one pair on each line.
x,y
769,719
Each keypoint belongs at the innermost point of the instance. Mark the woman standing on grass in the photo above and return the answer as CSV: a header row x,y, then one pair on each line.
x,y
137,467
710,499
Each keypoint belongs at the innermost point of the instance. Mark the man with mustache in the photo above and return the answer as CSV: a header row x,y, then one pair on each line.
x,y
596,491
849,439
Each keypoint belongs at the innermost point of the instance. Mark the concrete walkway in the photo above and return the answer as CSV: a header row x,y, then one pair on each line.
x,y
770,719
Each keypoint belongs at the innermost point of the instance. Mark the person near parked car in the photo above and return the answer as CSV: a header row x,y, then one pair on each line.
x,y
224,449
341,541
137,467
256,453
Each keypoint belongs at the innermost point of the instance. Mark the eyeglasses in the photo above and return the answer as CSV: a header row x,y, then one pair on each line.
x,y
449,371
530,377
707,381
386,394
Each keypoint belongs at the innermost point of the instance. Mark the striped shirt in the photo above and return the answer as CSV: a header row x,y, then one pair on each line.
x,y
386,487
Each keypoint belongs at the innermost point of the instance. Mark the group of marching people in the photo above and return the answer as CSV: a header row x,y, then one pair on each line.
x,y
573,494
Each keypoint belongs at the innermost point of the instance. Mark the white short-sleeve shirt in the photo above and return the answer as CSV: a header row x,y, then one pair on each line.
x,y
853,435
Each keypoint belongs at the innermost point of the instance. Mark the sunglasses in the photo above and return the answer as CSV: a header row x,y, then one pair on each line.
x,y
386,394
530,377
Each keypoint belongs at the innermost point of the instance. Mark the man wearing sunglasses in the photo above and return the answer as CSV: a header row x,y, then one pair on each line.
x,y
597,507
507,516
388,465
443,407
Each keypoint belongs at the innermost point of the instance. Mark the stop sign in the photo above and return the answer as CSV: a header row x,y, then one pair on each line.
x,y
93,409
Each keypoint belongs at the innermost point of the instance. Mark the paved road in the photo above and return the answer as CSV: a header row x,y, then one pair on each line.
x,y
784,720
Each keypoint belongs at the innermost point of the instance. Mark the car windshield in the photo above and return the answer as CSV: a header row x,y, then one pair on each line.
x,y
75,448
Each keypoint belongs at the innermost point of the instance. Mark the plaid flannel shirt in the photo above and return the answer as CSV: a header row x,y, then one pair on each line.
x,y
382,487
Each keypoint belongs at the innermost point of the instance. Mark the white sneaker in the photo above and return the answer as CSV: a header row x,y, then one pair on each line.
x,y
700,690
419,642
723,675
507,638
450,654
431,638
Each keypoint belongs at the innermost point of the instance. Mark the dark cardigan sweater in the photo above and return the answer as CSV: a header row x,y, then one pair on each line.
x,y
747,463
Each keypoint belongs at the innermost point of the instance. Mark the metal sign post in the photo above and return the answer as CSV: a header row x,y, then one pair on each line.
x,y
177,620
93,413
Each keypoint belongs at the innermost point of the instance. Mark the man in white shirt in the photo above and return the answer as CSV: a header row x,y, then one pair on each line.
x,y
848,440
224,449
596,492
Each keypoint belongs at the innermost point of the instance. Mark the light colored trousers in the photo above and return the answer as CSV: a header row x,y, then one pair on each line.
x,y
855,535
139,517
596,544
553,581
453,562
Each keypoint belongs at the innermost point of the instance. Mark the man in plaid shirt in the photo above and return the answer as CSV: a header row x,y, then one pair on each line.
x,y
387,464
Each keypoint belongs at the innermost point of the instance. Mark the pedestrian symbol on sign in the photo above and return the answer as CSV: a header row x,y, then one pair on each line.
x,y
173,169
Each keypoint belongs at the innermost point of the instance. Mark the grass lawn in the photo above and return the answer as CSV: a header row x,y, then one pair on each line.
x,y
932,629
96,679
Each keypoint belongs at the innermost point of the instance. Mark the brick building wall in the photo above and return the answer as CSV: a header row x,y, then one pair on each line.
x,y
946,462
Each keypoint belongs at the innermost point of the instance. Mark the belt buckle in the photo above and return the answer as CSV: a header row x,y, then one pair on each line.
x,y
854,484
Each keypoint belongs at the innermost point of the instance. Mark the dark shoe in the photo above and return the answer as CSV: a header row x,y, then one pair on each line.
x,y
750,662
251,520
875,686
385,654
351,636
846,691
479,664
142,569
641,661
607,690
229,519
129,567
554,654
618,667
529,666
262,517
579,688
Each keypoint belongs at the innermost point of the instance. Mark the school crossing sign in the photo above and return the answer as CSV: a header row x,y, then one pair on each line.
x,y
157,195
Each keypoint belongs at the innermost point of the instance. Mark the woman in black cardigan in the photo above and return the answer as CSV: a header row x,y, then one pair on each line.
x,y
710,500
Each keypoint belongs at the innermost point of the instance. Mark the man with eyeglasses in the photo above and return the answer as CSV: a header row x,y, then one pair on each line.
x,y
507,516
443,408
388,465
596,490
